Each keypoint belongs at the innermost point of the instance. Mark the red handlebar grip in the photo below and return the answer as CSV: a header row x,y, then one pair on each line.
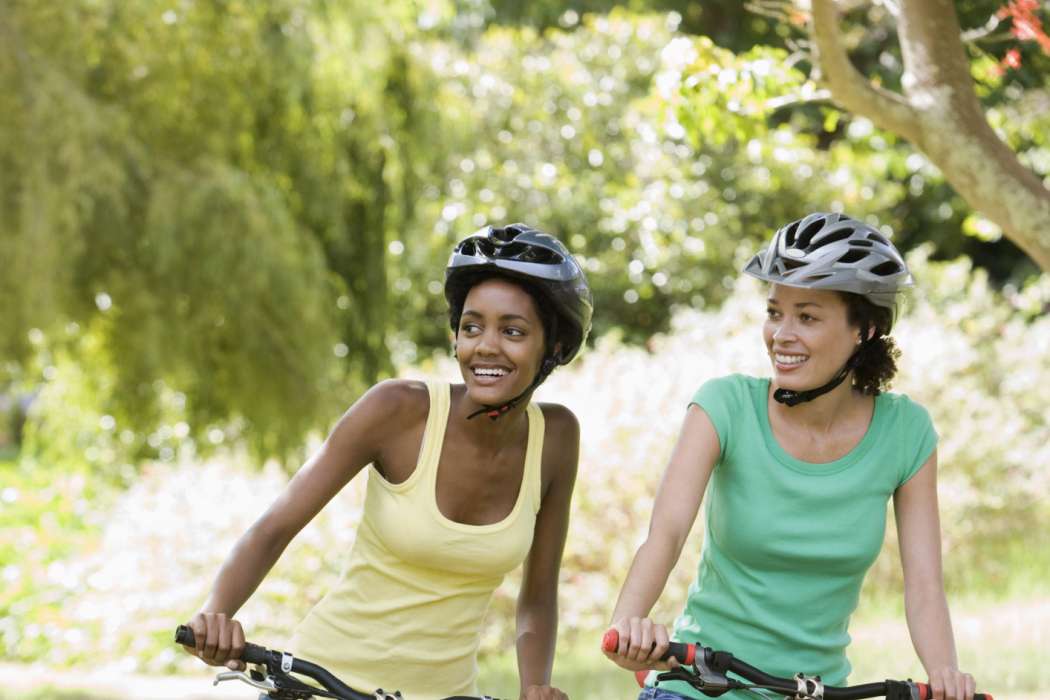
x,y
926,693
685,653
610,640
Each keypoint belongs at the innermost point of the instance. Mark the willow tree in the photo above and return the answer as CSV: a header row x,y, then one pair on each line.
x,y
197,200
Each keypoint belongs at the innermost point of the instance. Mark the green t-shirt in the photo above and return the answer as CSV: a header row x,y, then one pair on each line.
x,y
788,542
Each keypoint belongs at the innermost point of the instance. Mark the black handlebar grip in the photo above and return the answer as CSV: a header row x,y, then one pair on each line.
x,y
252,654
184,636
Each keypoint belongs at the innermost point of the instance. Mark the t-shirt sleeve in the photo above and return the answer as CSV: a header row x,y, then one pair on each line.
x,y
720,399
920,438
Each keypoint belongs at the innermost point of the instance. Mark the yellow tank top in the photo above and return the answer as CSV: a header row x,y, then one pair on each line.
x,y
407,612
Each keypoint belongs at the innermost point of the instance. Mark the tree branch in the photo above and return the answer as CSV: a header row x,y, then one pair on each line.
x,y
850,89
954,133
940,115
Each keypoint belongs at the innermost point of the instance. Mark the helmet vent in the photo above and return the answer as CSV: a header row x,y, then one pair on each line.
x,y
853,256
789,234
543,256
878,238
507,233
861,244
477,246
807,233
834,236
885,269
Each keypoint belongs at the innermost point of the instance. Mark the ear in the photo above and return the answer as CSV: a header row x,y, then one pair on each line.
x,y
869,331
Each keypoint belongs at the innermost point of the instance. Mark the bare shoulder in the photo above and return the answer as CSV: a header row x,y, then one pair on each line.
x,y
560,422
561,442
399,397
390,405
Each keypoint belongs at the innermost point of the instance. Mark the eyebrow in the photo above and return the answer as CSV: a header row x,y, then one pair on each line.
x,y
504,317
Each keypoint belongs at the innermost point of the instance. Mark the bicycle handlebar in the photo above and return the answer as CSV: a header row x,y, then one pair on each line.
x,y
721,659
255,654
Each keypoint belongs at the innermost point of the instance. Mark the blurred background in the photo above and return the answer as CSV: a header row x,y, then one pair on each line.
x,y
220,221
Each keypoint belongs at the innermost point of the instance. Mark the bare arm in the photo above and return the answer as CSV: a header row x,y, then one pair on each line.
x,y
677,503
919,534
537,611
352,444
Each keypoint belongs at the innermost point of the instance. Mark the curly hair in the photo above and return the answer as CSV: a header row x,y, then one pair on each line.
x,y
876,362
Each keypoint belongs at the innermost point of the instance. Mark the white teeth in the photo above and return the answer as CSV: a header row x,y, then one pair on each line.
x,y
489,372
790,359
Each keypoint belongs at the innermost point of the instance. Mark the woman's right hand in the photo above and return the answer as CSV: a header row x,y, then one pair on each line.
x,y
642,642
219,640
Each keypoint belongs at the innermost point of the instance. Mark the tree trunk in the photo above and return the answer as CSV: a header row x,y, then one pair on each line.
x,y
940,115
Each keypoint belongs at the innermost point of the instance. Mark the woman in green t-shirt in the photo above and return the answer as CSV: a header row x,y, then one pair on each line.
x,y
798,470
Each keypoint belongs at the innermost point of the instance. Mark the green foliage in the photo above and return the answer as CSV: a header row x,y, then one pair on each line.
x,y
579,132
249,205
732,96
207,191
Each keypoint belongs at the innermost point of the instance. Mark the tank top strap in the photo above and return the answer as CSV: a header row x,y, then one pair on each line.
x,y
434,432
533,474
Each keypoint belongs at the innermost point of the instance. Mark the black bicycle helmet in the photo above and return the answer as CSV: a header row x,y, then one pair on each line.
x,y
837,253
520,252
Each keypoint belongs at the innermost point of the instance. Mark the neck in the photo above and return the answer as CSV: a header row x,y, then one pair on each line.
x,y
820,413
484,430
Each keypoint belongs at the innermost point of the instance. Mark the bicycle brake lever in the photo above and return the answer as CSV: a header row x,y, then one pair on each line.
x,y
707,681
266,685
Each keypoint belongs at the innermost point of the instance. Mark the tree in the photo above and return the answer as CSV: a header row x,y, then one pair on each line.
x,y
938,111
197,200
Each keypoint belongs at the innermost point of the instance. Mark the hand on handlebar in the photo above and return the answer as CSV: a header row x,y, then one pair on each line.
x,y
950,683
642,643
219,640
543,692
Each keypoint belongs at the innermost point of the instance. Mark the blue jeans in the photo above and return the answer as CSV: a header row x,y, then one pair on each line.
x,y
660,694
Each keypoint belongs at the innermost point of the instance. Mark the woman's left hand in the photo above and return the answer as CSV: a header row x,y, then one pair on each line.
x,y
949,683
543,692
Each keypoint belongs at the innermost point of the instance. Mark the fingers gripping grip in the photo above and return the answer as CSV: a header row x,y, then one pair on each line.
x,y
926,693
684,653
252,654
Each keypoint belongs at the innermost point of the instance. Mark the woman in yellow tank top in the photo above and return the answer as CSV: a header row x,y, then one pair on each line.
x,y
453,503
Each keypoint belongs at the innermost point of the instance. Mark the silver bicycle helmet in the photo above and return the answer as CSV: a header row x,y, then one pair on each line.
x,y
833,251
837,253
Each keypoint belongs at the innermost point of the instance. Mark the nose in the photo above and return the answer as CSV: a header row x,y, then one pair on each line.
x,y
488,342
783,331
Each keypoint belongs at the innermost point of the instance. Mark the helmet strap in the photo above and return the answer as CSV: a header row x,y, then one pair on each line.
x,y
496,412
789,397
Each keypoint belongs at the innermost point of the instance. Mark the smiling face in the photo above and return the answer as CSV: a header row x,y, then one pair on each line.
x,y
500,341
808,336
